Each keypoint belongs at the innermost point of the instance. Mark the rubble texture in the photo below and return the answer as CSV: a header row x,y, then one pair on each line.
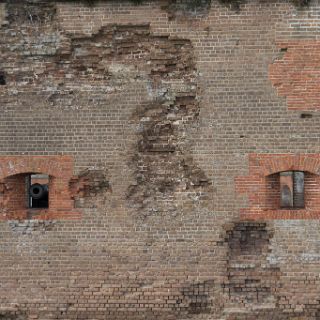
x,y
166,127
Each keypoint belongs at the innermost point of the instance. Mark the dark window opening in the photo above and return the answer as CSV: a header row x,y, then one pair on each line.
x,y
305,115
292,189
2,79
38,191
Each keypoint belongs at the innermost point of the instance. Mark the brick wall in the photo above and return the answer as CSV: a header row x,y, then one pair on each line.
x,y
262,186
14,171
160,123
297,73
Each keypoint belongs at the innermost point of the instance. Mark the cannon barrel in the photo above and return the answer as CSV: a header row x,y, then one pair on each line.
x,y
38,191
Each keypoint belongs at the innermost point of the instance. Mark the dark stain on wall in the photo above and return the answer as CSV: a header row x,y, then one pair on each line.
x,y
198,297
251,279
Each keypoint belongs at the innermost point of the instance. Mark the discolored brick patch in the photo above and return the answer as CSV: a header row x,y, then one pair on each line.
x,y
296,74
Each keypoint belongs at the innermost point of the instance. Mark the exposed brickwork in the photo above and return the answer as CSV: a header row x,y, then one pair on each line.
x,y
160,106
178,9
86,188
13,171
164,170
262,186
296,75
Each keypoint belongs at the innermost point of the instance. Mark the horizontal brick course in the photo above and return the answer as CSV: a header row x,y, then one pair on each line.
x,y
296,75
160,107
13,171
262,186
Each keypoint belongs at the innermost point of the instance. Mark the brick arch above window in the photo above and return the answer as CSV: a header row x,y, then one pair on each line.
x,y
14,169
261,186
276,163
56,166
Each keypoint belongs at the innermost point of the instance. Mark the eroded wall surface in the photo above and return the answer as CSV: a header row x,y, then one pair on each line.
x,y
161,107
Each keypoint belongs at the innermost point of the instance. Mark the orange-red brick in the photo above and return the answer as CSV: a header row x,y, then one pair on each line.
x,y
296,75
262,186
13,170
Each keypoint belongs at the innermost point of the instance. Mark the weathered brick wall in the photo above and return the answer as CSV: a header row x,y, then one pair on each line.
x,y
262,186
13,174
172,118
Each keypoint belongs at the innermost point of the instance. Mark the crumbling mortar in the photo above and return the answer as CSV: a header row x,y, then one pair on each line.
x,y
30,12
29,226
90,188
163,165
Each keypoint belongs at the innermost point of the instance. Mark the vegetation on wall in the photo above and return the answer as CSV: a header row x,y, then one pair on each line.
x,y
301,3
194,4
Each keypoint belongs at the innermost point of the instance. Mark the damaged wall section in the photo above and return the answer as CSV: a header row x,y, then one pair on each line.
x,y
259,286
163,164
251,280
124,89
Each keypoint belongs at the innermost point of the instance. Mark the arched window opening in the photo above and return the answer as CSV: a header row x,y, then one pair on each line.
x,y
36,187
292,189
